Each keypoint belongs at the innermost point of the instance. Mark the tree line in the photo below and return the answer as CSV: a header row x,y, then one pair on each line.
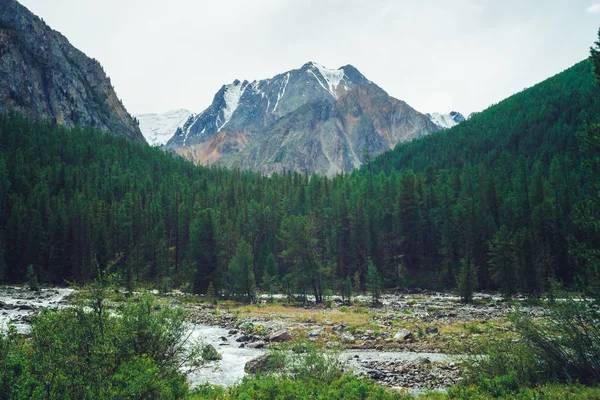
x,y
500,202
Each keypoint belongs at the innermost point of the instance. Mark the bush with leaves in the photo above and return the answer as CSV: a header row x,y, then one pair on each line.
x,y
87,352
563,346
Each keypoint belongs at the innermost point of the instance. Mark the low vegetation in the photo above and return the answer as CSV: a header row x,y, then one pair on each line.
x,y
87,352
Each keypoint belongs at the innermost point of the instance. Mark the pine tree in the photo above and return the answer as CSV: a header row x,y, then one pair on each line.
x,y
595,58
374,283
466,280
356,282
347,290
203,250
503,261
32,280
270,274
241,273
210,292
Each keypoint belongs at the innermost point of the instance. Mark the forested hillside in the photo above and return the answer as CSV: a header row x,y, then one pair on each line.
x,y
494,203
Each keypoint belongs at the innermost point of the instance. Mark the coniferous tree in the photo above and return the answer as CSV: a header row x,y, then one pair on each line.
x,y
595,58
466,280
241,273
503,261
373,283
203,250
270,274
32,280
347,290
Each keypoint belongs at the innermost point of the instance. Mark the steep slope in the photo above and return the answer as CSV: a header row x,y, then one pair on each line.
x,y
158,128
541,121
42,75
310,119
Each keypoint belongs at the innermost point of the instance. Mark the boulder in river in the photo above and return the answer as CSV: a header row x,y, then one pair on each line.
x,y
258,364
243,339
209,353
256,345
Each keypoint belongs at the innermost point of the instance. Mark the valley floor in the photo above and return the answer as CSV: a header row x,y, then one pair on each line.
x,y
412,343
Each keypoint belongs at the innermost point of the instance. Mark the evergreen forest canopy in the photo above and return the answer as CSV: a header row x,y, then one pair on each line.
x,y
500,202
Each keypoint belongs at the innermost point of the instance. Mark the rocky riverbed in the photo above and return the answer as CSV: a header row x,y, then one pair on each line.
x,y
411,340
17,304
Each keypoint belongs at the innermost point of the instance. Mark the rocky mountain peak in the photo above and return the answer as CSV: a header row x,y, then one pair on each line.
x,y
313,119
43,76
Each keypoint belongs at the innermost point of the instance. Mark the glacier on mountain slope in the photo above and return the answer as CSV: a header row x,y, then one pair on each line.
x,y
446,121
333,77
233,94
281,91
157,129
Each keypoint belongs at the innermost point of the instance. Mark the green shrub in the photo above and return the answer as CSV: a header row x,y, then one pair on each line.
x,y
561,347
87,352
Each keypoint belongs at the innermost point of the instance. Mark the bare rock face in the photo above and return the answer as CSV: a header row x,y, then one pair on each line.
x,y
311,119
43,76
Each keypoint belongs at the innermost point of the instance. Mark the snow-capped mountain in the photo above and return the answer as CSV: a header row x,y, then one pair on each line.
x,y
446,121
311,119
158,128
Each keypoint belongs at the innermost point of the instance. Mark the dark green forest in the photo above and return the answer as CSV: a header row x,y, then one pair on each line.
x,y
501,202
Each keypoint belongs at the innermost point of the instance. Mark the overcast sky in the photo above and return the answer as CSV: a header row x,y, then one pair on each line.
x,y
437,55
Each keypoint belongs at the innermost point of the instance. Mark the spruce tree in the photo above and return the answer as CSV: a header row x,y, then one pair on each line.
x,y
347,290
503,261
241,273
374,283
595,58
466,280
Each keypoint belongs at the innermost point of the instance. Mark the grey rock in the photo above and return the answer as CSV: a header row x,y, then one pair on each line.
x,y
431,330
45,77
209,353
256,345
347,337
402,335
422,360
281,336
243,339
314,333
258,364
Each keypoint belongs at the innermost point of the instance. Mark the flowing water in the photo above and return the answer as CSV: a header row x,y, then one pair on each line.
x,y
17,304
230,369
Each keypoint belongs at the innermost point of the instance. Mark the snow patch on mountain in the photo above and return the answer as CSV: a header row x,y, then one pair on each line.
x,y
233,94
281,91
158,128
446,121
333,77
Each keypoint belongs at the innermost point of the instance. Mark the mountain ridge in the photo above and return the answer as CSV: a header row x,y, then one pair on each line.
x,y
256,125
45,77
